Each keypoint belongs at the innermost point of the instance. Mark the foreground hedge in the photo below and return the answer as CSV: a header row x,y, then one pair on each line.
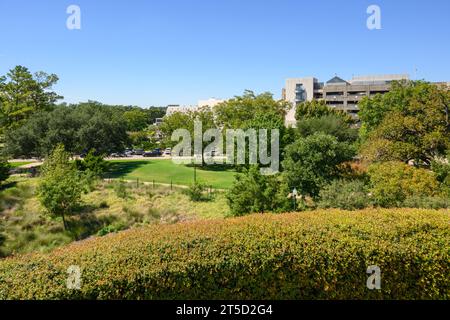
x,y
316,255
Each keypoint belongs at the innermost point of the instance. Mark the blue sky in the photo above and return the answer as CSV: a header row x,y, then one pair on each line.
x,y
172,51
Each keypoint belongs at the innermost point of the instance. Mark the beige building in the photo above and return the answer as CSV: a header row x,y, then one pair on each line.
x,y
212,102
337,93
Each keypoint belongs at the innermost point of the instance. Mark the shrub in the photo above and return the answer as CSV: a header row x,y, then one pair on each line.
x,y
427,202
253,192
312,255
4,170
344,194
393,182
442,171
196,191
331,124
120,189
112,228
92,163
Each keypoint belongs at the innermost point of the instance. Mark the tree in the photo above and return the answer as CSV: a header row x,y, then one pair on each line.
x,y
79,127
331,124
102,129
136,120
408,123
314,161
4,170
60,188
93,164
253,192
318,109
233,113
392,182
185,120
23,94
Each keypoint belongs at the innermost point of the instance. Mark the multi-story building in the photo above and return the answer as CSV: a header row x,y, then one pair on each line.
x,y
337,93
212,102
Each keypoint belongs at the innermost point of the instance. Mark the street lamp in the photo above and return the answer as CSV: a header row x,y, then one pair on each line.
x,y
294,196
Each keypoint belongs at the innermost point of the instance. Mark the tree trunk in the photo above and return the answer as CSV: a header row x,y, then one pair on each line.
x,y
64,222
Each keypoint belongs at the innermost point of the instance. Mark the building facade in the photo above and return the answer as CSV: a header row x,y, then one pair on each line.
x,y
210,103
337,93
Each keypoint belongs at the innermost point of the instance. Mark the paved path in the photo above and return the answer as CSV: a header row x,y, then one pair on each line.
x,y
158,183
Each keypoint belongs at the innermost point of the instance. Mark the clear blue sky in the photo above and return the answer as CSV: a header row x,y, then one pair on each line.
x,y
173,51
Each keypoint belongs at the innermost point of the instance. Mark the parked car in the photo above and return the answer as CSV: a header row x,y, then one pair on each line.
x,y
153,153
138,152
118,155
168,151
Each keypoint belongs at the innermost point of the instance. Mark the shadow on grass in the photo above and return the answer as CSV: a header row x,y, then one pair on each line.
x,y
121,169
83,222
88,225
212,167
8,185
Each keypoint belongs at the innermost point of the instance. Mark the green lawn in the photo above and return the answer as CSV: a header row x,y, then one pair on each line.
x,y
18,164
165,171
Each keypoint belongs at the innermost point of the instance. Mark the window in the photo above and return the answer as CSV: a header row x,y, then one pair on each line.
x,y
300,93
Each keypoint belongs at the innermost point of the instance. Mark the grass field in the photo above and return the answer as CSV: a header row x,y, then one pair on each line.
x,y
18,164
165,171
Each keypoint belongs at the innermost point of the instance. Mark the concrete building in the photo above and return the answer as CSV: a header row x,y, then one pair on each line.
x,y
172,108
212,102
337,93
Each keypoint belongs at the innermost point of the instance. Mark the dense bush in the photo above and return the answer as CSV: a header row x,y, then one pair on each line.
x,y
313,255
312,162
4,170
253,192
196,191
331,124
437,202
442,172
120,189
93,164
393,182
345,194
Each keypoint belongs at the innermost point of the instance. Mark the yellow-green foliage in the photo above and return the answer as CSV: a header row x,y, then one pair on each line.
x,y
321,254
392,182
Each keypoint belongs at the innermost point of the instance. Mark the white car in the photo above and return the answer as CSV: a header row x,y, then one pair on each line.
x,y
168,151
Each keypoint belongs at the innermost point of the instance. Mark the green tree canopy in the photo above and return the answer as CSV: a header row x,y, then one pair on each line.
x,y
136,120
253,192
314,161
317,109
60,188
79,127
411,122
23,94
233,113
331,124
